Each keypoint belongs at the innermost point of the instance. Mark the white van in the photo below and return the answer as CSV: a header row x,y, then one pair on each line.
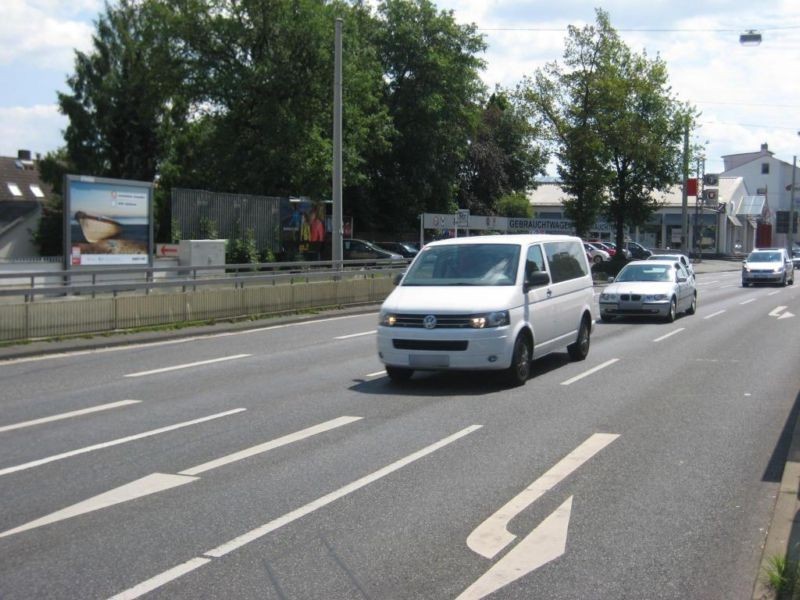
x,y
488,302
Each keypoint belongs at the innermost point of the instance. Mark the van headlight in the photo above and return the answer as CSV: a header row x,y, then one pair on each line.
x,y
388,319
493,319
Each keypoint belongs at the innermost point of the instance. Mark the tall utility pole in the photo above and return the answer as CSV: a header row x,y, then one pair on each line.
x,y
685,198
791,207
336,237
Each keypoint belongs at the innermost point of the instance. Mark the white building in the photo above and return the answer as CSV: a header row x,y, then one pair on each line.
x,y
742,217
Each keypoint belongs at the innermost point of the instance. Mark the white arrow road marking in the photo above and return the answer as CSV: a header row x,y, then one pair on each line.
x,y
492,535
776,312
69,415
220,551
116,442
545,543
158,482
187,365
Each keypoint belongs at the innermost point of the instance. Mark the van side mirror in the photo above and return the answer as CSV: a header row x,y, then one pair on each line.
x,y
398,278
536,279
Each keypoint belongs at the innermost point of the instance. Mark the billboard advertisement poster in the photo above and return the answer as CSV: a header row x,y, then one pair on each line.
x,y
108,221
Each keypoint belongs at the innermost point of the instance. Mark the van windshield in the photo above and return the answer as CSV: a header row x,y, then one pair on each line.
x,y
465,264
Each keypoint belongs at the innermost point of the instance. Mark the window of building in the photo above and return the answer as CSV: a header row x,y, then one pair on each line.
x,y
764,168
37,191
14,189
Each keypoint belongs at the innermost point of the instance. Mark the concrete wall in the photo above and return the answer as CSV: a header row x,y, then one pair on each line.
x,y
78,315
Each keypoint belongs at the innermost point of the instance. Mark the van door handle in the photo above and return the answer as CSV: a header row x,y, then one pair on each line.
x,y
549,292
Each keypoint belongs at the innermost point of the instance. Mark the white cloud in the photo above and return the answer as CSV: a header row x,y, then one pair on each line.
x,y
35,128
45,32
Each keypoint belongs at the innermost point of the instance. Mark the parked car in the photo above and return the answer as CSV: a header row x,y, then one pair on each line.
x,y
625,251
796,255
353,249
602,246
649,288
597,255
404,249
768,265
637,251
474,303
681,258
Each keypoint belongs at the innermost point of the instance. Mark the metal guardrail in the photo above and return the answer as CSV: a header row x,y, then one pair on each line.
x,y
143,278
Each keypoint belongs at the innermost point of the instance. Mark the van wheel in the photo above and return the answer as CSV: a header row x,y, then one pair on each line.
x,y
520,369
580,349
399,373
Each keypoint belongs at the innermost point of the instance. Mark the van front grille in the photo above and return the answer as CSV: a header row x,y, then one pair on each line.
x,y
443,345
442,321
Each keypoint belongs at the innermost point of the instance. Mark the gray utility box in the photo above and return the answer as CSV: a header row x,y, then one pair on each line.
x,y
201,253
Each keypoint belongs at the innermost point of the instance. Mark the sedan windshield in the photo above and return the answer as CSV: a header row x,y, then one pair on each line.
x,y
764,257
646,273
465,264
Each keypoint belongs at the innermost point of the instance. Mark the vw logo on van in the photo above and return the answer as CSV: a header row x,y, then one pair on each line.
x,y
429,322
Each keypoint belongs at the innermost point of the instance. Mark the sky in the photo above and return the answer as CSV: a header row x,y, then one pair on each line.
x,y
748,95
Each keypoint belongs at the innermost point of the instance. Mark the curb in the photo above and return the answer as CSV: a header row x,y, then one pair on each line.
x,y
783,535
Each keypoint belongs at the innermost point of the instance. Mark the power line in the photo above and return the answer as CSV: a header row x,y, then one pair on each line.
x,y
643,29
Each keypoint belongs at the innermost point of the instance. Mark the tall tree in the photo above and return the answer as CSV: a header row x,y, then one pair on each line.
x,y
615,125
433,93
502,156
124,92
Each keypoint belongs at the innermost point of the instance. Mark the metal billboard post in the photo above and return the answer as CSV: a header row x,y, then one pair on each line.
x,y
336,237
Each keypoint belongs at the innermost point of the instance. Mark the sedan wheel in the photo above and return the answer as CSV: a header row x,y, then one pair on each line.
x,y
693,306
673,309
519,371
597,259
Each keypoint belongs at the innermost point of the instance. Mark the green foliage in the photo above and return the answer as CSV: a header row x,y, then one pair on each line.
x,y
175,231
615,124
502,157
208,229
783,576
241,249
514,205
49,235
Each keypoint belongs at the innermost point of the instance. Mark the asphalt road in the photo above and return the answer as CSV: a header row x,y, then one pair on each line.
x,y
291,468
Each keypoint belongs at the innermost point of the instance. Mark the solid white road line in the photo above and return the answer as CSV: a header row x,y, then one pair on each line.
x,y
188,365
545,543
670,334
220,551
13,361
69,415
117,442
271,445
159,580
355,335
158,482
376,373
492,535
747,301
712,315
590,372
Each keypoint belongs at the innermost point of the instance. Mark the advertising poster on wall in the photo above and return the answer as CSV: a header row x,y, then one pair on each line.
x,y
108,221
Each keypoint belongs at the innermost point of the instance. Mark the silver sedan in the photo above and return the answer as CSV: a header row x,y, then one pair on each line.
x,y
649,288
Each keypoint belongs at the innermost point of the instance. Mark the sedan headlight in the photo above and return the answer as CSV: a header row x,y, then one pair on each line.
x,y
609,297
492,319
387,319
655,298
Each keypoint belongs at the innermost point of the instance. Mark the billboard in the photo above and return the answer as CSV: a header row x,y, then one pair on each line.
x,y
107,221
